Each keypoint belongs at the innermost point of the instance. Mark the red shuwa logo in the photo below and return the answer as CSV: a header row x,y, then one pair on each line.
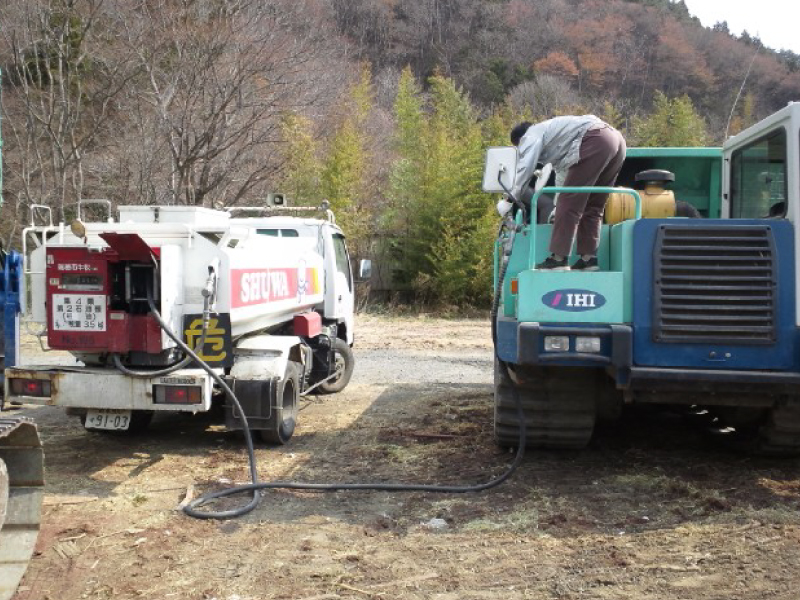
x,y
250,287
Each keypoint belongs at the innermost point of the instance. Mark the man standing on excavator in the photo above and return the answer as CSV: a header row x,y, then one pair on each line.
x,y
584,151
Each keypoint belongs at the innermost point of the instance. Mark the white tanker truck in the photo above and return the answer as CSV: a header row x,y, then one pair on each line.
x,y
265,300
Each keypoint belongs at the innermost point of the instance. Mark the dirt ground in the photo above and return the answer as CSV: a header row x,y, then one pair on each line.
x,y
652,510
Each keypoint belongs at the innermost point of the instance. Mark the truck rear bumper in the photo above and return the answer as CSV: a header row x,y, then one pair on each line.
x,y
87,387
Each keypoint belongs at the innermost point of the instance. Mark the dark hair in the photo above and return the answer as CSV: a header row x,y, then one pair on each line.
x,y
519,131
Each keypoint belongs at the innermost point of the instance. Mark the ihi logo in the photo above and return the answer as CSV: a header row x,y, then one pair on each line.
x,y
573,300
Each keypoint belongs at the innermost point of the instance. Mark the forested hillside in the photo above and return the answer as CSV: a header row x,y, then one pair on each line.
x,y
597,51
381,106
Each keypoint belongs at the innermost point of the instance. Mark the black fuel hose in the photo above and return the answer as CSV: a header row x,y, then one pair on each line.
x,y
191,509
501,277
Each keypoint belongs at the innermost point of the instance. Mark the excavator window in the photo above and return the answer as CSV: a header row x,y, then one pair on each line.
x,y
758,178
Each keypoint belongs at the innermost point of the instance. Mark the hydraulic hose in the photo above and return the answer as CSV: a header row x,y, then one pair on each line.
x,y
501,277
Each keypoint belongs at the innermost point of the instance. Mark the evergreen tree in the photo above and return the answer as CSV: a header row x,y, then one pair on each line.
x,y
301,179
407,181
446,252
343,176
744,116
673,123
459,229
612,115
498,124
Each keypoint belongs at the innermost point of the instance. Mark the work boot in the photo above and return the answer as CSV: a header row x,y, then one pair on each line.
x,y
586,265
553,264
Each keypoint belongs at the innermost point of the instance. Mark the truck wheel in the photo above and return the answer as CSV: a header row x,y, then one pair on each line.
x,y
344,364
283,416
780,433
558,406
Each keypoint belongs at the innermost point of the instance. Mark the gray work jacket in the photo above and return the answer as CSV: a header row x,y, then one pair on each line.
x,y
556,141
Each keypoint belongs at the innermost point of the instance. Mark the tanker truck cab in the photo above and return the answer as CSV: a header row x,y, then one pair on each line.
x,y
266,302
693,314
329,241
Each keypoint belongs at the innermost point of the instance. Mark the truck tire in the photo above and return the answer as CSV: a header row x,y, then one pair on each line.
x,y
344,362
780,433
283,416
558,406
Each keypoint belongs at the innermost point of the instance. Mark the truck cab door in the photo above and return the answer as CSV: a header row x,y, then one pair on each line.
x,y
761,176
339,293
761,169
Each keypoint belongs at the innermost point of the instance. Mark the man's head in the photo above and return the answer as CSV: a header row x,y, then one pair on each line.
x,y
519,131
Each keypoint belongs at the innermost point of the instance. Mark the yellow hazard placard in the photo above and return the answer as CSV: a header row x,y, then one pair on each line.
x,y
217,350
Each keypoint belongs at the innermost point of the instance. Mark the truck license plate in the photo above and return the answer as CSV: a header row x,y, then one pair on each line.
x,y
106,418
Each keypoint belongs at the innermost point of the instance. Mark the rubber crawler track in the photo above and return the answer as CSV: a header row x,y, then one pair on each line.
x,y
559,407
780,434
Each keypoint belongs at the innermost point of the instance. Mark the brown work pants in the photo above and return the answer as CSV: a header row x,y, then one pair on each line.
x,y
601,156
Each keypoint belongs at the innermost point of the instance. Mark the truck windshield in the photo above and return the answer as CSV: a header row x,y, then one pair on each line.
x,y
758,178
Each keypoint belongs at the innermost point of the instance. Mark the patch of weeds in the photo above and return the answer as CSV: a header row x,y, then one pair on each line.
x,y
683,498
769,516
522,519
715,501
402,454
138,499
653,483
447,505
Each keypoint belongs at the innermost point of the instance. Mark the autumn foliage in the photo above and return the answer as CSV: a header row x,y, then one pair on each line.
x,y
382,107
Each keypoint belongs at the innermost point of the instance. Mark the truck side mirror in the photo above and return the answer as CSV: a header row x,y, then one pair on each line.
x,y
500,169
364,269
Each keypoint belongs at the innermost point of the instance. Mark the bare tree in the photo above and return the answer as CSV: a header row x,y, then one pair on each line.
x,y
62,79
216,78
547,96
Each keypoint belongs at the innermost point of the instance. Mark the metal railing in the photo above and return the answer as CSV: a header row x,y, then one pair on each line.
x,y
637,214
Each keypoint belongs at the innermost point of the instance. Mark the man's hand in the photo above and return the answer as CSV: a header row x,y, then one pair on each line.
x,y
504,206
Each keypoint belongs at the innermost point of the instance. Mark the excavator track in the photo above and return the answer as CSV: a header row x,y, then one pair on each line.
x,y
21,493
558,407
780,434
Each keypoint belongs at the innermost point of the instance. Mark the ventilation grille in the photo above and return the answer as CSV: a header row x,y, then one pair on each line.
x,y
715,285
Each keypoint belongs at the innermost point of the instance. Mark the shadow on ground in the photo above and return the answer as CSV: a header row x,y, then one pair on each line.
x,y
649,470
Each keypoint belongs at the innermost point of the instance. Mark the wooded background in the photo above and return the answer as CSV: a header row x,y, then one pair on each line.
x,y
381,106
